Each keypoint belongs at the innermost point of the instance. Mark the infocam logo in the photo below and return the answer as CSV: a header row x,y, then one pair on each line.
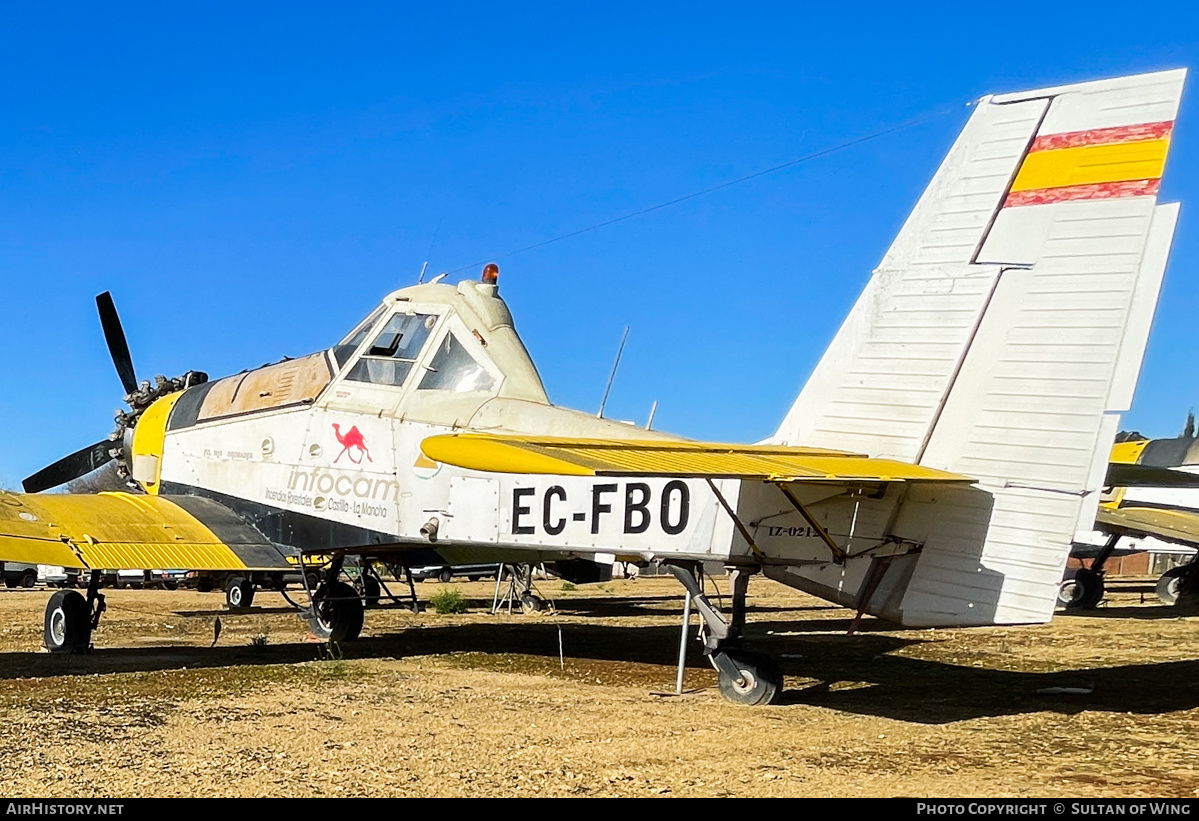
x,y
346,485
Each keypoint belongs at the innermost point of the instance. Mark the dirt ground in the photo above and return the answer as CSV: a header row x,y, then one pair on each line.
x,y
482,705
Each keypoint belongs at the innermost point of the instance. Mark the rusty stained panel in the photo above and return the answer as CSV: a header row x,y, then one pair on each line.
x,y
272,386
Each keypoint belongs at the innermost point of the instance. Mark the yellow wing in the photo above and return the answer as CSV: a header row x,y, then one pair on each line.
x,y
1181,526
616,457
122,531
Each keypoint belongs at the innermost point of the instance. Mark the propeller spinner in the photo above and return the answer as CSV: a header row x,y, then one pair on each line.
x,y
138,397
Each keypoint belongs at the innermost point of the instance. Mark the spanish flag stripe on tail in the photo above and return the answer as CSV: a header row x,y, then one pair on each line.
x,y
1101,163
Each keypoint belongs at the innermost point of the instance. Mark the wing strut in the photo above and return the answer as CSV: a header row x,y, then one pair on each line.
x,y
758,554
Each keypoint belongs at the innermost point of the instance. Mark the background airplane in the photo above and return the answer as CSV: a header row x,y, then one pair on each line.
x,y
1152,505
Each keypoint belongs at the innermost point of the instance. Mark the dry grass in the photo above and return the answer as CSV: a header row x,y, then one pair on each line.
x,y
475,704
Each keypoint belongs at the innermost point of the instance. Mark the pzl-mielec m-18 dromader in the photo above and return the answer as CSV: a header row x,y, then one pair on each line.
x,y
932,471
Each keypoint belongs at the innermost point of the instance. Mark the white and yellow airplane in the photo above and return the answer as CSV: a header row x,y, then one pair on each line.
x,y
932,471
1151,505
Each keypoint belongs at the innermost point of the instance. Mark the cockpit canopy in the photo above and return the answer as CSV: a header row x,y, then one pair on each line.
x,y
431,352
438,338
396,347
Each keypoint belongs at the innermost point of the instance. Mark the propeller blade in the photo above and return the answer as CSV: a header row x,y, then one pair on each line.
x,y
79,463
114,335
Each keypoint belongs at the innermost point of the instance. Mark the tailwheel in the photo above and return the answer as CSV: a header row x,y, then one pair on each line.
x,y
758,678
68,623
239,592
337,613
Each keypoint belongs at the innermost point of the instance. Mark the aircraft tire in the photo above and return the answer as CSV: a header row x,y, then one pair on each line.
x,y
1168,584
239,592
531,604
339,613
1083,592
760,683
68,623
1188,589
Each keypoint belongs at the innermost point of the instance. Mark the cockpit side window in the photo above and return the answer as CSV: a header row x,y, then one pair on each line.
x,y
345,349
454,369
394,350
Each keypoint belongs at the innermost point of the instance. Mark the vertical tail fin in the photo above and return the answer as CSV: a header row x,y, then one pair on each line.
x,y
1003,332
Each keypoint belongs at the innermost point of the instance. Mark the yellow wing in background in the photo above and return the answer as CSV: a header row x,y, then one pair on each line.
x,y
1181,526
616,457
123,531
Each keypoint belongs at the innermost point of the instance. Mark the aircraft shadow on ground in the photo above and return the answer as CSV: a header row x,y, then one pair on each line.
x,y
617,606
856,674
1150,613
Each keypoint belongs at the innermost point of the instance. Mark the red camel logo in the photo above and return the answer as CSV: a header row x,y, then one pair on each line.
x,y
351,439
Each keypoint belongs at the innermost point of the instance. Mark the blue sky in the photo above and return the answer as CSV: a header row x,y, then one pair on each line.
x,y
249,179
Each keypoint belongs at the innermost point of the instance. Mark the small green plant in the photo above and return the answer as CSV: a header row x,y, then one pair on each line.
x,y
332,664
449,600
567,586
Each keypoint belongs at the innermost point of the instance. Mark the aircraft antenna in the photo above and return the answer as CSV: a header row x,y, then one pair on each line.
x,y
654,409
612,376
919,120
429,253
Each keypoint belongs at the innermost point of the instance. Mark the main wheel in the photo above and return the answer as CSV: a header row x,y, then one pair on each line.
x,y
338,612
1083,592
239,592
68,623
530,603
759,682
1168,584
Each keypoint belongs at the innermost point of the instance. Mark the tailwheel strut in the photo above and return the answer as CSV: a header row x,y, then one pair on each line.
x,y
745,677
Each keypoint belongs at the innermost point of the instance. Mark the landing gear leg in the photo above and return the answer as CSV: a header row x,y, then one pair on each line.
x,y
1085,590
745,677
335,611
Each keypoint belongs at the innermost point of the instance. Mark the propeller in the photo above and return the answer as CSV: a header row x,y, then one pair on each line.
x,y
79,463
138,397
114,335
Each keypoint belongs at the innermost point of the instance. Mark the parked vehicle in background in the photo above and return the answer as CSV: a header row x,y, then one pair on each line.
x,y
446,572
18,574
